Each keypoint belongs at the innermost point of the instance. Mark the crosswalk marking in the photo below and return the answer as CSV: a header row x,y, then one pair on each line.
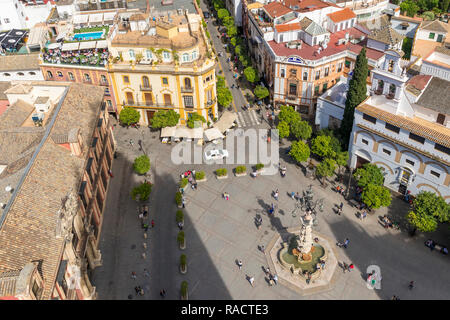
x,y
247,118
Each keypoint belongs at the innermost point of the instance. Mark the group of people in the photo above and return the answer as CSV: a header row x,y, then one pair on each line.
x,y
87,56
191,178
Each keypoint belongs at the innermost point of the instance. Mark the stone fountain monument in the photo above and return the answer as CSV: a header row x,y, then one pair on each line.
x,y
305,248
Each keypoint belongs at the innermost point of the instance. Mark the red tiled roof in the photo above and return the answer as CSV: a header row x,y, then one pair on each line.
x,y
276,9
342,15
419,82
308,52
3,106
307,5
287,27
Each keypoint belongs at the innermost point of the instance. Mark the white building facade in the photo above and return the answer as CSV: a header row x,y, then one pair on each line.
x,y
407,136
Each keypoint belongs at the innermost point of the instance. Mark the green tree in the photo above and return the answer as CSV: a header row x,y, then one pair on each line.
x,y
321,145
283,129
220,82
141,164
250,74
376,196
233,41
142,191
301,130
238,49
356,94
231,31
428,210
369,174
222,13
341,159
335,143
326,169
289,115
195,117
409,7
228,21
444,5
165,118
224,96
129,116
428,15
407,47
299,151
261,92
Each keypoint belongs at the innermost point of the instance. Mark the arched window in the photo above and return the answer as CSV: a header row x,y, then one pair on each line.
x,y
194,55
148,54
49,74
20,74
31,73
131,53
166,55
87,78
187,83
71,77
145,82
185,57
103,79
7,74
380,86
392,89
60,74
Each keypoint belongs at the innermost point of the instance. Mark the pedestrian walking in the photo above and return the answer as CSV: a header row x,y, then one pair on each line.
x,y
263,249
110,173
141,216
183,202
153,223
275,279
180,225
251,280
137,289
239,264
344,267
363,215
145,226
133,275
350,267
146,273
411,285
141,292
346,242
275,195
322,264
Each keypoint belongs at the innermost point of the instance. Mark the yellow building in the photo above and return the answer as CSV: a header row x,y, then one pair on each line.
x,y
163,63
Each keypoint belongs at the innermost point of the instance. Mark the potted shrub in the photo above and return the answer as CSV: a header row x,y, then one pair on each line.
x,y
184,290
183,264
200,176
221,173
178,199
183,183
141,164
259,167
181,240
142,192
179,216
240,171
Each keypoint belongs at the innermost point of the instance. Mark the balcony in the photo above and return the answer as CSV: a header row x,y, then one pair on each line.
x,y
187,89
210,102
292,97
146,87
147,104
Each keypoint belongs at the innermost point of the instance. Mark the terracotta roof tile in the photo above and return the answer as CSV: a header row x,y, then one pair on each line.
x,y
342,15
288,27
429,130
276,9
19,62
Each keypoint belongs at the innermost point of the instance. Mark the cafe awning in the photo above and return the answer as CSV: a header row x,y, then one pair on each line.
x,y
109,16
95,17
87,45
213,134
80,18
70,46
101,44
37,35
55,45
168,132
184,132
226,121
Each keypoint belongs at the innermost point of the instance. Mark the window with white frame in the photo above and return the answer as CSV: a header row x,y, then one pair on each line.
x,y
131,54
166,55
148,54
194,55
185,57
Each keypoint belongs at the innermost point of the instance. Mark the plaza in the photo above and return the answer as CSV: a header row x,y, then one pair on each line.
x,y
219,232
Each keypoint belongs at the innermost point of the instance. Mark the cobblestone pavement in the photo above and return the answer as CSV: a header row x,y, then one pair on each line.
x,y
218,232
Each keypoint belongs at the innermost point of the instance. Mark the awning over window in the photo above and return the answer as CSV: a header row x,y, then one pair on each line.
x,y
54,45
213,134
80,18
102,44
87,45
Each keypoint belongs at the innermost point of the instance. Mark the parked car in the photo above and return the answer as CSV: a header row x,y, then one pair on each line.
x,y
216,154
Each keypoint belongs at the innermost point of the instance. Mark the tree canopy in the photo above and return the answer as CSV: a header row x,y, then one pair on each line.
x,y
165,118
289,115
326,168
283,129
261,92
194,119
250,74
356,94
222,13
428,210
129,116
321,145
376,196
301,130
224,96
142,192
141,164
369,174
299,151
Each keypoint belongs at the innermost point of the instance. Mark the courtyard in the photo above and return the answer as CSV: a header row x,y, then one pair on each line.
x,y
218,232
